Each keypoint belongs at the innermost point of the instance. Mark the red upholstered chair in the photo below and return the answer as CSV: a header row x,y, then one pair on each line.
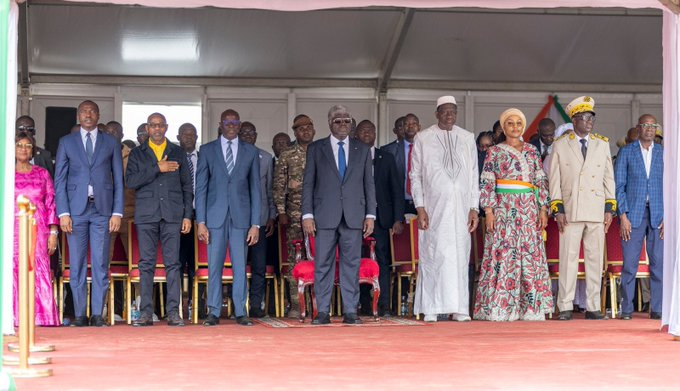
x,y
118,272
614,265
133,271
303,272
403,263
284,265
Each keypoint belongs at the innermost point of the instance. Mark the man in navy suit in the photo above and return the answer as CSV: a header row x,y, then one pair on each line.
x,y
639,194
159,172
401,150
546,136
389,190
89,192
338,204
228,212
258,253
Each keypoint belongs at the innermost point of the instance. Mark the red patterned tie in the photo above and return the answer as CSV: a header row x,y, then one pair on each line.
x,y
408,169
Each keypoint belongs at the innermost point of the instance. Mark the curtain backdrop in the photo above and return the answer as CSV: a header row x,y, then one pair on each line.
x,y
671,100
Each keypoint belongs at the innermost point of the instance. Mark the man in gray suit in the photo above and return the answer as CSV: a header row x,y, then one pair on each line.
x,y
258,252
228,212
338,204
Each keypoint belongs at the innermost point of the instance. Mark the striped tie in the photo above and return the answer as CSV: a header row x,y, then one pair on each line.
x,y
191,165
229,158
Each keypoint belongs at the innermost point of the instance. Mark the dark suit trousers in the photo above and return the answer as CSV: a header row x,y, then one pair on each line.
x,y
631,260
235,238
384,259
349,242
148,236
257,255
89,228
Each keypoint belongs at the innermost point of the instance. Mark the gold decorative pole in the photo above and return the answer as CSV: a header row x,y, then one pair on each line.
x,y
33,232
24,327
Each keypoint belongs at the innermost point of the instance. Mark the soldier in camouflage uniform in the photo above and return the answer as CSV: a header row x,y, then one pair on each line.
x,y
287,194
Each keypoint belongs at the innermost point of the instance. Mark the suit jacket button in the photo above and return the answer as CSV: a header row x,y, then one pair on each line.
x,y
161,198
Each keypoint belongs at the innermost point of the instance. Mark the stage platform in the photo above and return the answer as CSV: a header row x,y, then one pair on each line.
x,y
552,355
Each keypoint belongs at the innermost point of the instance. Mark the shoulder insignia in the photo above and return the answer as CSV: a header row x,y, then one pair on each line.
x,y
599,136
565,135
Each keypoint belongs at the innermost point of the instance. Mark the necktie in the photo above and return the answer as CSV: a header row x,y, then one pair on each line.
x,y
342,161
584,149
88,148
229,158
191,165
408,169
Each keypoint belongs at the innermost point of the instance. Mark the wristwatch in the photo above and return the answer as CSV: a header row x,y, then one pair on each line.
x,y
474,210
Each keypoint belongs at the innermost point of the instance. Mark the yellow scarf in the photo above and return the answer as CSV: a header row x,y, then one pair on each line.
x,y
158,149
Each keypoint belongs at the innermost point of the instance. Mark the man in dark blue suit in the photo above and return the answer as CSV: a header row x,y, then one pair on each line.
x,y
159,172
389,190
338,203
402,152
639,194
89,192
228,212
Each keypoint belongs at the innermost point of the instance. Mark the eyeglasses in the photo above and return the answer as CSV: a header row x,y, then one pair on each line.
x,y
339,121
585,117
24,145
23,128
228,122
157,126
650,126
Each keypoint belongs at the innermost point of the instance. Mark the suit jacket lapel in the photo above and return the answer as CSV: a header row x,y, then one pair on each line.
x,y
576,149
240,157
220,157
327,151
81,148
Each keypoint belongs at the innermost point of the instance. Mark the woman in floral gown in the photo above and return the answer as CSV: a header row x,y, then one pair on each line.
x,y
35,183
514,282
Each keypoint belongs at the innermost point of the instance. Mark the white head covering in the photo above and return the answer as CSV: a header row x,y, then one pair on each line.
x,y
562,129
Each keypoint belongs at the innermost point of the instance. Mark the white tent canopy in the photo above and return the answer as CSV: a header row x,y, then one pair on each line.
x,y
420,44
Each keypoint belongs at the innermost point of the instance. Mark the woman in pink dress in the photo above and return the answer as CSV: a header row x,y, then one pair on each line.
x,y
35,183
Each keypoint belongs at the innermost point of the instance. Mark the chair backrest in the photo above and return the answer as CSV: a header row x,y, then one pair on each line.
x,y
201,252
119,257
134,248
613,248
401,245
477,238
552,241
413,230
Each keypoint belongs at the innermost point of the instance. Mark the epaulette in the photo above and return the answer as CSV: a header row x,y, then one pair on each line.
x,y
601,137
564,135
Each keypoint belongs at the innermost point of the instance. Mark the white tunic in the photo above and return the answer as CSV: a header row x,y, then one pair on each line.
x,y
445,182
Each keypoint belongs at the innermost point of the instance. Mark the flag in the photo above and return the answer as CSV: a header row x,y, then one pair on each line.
x,y
553,110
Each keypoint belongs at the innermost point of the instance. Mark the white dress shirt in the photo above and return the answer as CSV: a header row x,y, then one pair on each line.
x,y
336,148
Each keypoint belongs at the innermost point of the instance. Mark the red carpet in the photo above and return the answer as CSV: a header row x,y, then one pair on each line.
x,y
369,321
552,355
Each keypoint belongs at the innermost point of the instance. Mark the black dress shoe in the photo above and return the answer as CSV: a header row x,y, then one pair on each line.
x,y
322,318
174,319
655,315
565,315
244,321
351,318
257,313
645,307
385,313
97,321
79,321
594,315
143,321
626,316
211,320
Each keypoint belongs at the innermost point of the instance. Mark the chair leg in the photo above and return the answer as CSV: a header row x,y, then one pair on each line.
x,y
194,301
61,300
603,296
376,297
301,299
112,317
275,281
614,297
411,282
129,301
181,305
399,312
162,299
639,294
338,300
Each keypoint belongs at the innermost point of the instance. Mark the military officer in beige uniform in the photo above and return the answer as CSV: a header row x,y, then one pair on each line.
x,y
583,198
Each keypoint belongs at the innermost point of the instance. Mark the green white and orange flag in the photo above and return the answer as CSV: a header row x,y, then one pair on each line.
x,y
553,110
